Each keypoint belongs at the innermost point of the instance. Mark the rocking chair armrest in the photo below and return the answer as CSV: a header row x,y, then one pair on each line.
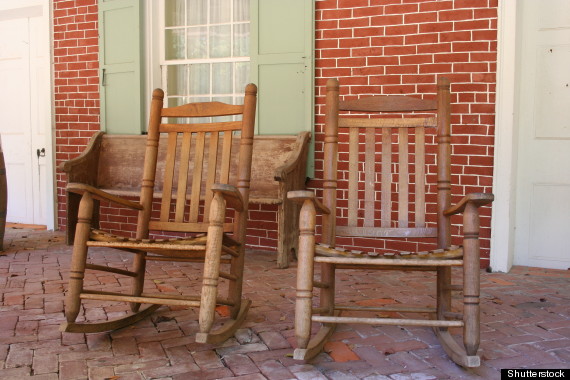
x,y
231,194
301,196
81,188
477,199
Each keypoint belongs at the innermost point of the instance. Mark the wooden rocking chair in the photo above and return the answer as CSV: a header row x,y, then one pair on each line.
x,y
196,191
368,209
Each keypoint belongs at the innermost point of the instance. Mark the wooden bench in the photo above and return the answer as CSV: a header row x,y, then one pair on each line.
x,y
114,163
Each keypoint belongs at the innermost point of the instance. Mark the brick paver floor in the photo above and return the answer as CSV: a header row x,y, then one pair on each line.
x,y
525,324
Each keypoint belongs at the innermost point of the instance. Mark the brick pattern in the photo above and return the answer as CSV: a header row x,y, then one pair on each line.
x,y
373,47
76,82
525,324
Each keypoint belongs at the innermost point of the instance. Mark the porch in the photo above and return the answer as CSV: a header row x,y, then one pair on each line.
x,y
525,324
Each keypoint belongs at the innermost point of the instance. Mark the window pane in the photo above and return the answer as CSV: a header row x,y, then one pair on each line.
x,y
174,12
199,79
174,44
241,76
222,78
241,40
197,12
220,11
197,42
220,41
177,77
241,10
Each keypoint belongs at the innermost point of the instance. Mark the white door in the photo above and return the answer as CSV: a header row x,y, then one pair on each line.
x,y
543,120
25,117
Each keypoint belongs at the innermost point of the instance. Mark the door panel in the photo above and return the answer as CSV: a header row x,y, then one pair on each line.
x,y
15,121
543,174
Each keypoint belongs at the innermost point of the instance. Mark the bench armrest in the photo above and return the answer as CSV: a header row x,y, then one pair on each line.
x,y
84,168
231,194
297,160
477,199
301,196
80,188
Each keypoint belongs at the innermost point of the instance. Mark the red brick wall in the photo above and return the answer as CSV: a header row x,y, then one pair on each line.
x,y
76,83
372,46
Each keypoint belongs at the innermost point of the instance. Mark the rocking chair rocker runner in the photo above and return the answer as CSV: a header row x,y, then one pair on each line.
x,y
374,219
190,186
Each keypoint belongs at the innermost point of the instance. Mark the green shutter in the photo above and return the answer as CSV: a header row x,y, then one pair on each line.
x,y
282,35
120,58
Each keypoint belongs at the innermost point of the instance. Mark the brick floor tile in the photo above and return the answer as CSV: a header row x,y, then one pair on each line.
x,y
207,359
246,348
283,355
141,366
46,363
253,376
240,364
47,376
100,372
337,375
72,369
170,370
151,351
217,373
274,340
273,369
340,352
310,375
14,373
125,346
98,342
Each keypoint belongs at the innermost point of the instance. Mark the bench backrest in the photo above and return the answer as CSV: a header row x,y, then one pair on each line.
x,y
121,160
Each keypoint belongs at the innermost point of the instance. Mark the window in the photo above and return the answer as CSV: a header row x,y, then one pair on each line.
x,y
201,50
205,50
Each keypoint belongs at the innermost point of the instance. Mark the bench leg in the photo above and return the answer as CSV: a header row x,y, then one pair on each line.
x,y
288,233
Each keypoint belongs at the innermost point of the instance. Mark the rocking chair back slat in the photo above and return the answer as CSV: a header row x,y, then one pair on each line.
x,y
386,187
402,158
369,176
183,177
197,177
226,154
403,194
353,177
420,177
168,176
212,164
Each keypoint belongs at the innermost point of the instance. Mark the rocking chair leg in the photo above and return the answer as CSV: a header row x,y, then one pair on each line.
x,y
79,258
471,312
212,264
305,275
443,292
139,266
